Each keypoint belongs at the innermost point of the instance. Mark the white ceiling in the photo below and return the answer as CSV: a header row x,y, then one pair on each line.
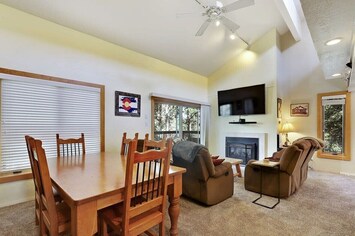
x,y
152,27
329,19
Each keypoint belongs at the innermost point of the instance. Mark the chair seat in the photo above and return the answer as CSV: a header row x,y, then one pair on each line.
x,y
63,214
112,216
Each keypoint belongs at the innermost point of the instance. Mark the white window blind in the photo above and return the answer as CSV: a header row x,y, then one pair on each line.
x,y
333,100
41,110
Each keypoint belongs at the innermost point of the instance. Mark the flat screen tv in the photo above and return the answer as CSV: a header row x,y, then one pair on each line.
x,y
242,101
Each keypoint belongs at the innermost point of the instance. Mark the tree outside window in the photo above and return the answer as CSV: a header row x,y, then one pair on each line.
x,y
177,121
334,125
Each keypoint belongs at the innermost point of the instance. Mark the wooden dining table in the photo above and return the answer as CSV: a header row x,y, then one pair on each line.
x,y
94,181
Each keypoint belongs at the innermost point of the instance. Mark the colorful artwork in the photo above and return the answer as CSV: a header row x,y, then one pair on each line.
x,y
127,104
299,109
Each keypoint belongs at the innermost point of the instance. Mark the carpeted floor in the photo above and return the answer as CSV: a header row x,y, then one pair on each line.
x,y
324,205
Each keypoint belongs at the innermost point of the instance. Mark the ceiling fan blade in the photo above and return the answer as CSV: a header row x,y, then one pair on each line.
x,y
199,3
238,5
229,24
203,27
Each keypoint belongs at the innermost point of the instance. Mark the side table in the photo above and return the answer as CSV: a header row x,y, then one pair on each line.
x,y
236,162
267,164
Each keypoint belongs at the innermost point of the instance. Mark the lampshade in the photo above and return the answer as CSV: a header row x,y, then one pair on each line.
x,y
287,127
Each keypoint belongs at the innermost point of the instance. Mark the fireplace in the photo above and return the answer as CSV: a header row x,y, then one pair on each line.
x,y
244,148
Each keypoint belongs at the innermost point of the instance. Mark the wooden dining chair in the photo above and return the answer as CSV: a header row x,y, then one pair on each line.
x,y
144,194
125,141
54,217
36,183
36,180
152,144
70,147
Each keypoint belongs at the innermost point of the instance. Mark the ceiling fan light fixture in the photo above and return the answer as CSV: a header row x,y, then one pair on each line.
x,y
333,41
336,75
219,4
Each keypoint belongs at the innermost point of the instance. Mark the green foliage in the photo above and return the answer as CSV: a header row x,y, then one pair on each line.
x,y
167,118
333,128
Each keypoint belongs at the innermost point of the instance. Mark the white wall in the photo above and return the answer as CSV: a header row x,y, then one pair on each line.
x,y
32,44
300,80
256,66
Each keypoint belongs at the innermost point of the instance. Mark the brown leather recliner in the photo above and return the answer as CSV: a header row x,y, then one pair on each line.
x,y
293,169
316,144
203,181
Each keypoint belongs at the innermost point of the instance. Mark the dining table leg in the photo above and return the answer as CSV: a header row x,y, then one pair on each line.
x,y
84,219
174,193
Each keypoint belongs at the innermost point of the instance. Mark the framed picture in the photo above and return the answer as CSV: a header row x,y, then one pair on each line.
x,y
127,104
279,104
299,109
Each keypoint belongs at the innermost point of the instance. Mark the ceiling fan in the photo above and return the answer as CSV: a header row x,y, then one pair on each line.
x,y
216,11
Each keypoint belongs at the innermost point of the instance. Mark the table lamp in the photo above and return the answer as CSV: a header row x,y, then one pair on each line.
x,y
287,128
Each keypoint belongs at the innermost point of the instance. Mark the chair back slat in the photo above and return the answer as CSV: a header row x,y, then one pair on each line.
x,y
41,171
152,144
145,183
70,147
125,142
36,181
34,168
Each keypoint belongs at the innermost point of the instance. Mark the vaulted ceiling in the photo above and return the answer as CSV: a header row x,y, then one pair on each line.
x,y
160,29
165,29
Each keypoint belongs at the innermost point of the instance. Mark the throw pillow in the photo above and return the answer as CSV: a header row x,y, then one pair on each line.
x,y
214,157
217,162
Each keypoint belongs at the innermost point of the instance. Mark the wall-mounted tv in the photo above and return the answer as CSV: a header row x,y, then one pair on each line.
x,y
242,101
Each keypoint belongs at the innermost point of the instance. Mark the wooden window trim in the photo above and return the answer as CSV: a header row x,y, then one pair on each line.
x,y
346,156
174,102
4,178
11,177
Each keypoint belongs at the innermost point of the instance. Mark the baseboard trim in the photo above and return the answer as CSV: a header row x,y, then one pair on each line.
x,y
347,173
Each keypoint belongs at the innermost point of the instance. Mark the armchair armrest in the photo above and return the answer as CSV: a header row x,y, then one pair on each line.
x,y
222,169
251,161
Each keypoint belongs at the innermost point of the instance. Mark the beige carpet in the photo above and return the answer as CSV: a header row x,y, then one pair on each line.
x,y
325,205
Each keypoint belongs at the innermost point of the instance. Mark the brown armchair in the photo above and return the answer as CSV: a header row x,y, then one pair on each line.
x,y
316,144
293,169
203,181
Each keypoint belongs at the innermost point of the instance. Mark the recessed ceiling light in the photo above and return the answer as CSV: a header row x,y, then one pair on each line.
x,y
219,4
218,23
232,36
336,75
333,42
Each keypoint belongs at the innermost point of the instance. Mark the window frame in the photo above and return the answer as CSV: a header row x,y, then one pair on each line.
x,y
26,174
155,99
346,156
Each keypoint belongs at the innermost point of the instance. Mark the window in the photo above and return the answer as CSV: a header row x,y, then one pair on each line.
x,y
176,119
42,108
334,125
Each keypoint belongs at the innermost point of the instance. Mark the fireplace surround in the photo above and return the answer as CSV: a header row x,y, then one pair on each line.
x,y
245,146
242,148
